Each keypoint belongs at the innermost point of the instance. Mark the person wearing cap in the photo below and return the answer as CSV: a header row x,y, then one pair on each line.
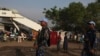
x,y
43,39
89,40
45,32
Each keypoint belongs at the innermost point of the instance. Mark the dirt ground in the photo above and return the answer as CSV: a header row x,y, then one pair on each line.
x,y
26,49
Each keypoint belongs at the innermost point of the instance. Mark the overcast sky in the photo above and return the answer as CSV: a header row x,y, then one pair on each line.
x,y
33,8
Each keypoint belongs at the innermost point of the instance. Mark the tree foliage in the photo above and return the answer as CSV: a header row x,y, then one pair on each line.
x,y
75,16
98,1
93,13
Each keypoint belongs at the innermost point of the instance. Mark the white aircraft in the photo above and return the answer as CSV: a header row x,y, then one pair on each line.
x,y
15,16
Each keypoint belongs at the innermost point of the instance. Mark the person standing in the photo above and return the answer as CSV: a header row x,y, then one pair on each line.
x,y
58,41
5,36
89,40
43,38
65,43
19,38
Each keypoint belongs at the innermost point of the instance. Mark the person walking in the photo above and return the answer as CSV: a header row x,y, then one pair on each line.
x,y
65,43
89,40
43,39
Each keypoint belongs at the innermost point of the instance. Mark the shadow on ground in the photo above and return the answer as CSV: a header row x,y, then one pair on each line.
x,y
16,51
29,51
19,51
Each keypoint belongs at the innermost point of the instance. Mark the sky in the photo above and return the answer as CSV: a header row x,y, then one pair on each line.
x,y
33,8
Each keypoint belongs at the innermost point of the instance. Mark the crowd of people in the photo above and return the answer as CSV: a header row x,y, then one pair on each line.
x,y
89,40
43,39
9,36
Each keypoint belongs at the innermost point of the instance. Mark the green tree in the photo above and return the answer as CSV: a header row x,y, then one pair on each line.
x,y
53,14
93,13
76,14
68,17
98,1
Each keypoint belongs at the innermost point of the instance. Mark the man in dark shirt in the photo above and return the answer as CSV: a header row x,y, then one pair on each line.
x,y
89,40
43,39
